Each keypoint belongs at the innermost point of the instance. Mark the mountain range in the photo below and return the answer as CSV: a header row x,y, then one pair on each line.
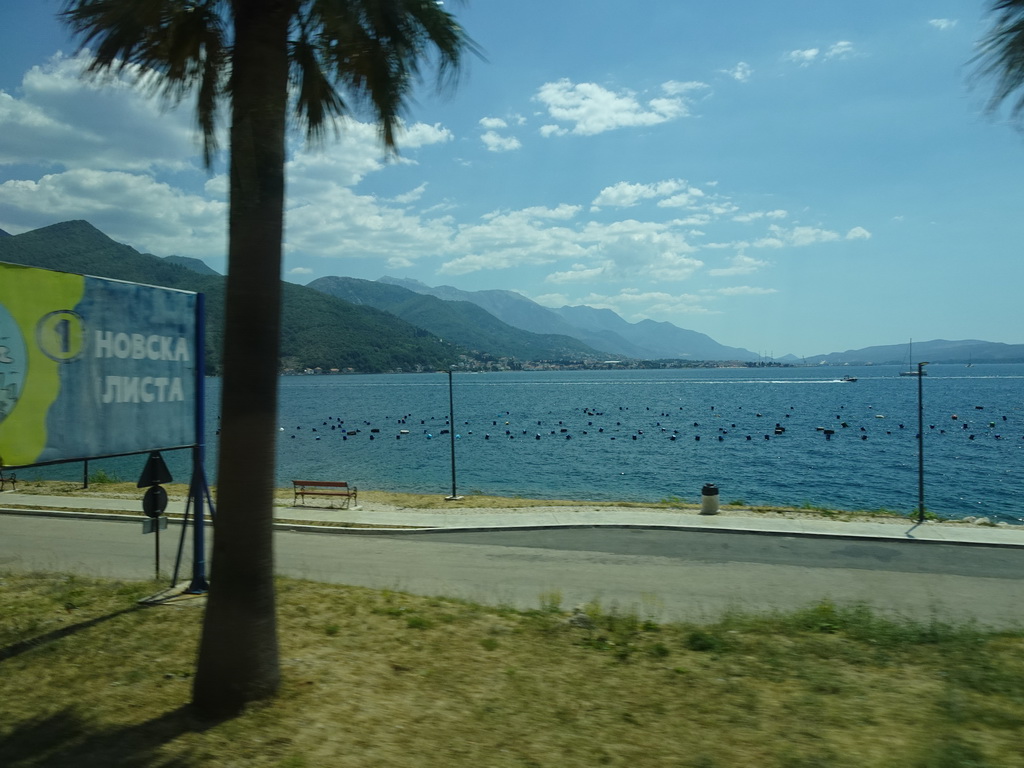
x,y
650,340
394,324
462,322
599,328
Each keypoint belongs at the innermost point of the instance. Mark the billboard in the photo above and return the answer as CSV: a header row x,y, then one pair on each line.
x,y
91,367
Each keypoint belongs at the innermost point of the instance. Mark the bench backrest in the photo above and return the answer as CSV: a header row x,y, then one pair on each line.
x,y
320,483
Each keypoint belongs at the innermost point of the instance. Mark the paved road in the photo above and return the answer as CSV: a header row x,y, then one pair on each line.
x,y
665,574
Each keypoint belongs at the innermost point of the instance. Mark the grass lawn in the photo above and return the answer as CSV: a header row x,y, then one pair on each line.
x,y
89,677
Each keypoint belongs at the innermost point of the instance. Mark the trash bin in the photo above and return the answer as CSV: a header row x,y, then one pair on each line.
x,y
709,499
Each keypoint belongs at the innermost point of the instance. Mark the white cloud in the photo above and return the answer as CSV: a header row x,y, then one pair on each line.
x,y
943,24
653,252
671,267
493,123
745,290
579,273
740,264
797,236
806,56
746,218
676,88
591,109
497,143
333,222
300,271
696,220
61,120
740,73
625,195
720,207
689,198
560,212
175,222
412,195
839,50
858,233
419,135
348,159
504,239
803,57
345,161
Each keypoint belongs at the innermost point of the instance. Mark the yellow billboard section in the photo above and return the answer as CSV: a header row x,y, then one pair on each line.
x,y
38,333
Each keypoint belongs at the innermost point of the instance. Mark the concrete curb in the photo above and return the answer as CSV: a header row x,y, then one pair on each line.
x,y
299,527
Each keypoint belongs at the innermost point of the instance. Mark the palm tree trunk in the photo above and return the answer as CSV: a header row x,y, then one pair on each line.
x,y
238,654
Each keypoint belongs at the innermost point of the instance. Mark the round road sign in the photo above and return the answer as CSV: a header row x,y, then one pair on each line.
x,y
155,501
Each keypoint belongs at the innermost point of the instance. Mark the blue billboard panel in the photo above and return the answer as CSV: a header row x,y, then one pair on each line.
x,y
91,367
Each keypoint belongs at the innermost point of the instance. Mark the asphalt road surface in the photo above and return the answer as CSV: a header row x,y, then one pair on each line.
x,y
657,573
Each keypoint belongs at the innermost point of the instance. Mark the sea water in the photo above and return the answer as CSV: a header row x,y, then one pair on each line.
x,y
767,436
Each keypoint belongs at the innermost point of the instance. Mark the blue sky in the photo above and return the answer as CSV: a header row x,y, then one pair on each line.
x,y
795,177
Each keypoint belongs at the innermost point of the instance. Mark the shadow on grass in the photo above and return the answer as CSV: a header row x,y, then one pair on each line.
x,y
15,649
66,739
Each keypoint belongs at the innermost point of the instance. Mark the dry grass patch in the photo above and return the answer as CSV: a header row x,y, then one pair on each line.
x,y
113,488
379,678
120,489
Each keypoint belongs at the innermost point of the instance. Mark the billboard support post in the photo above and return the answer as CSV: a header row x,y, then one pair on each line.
x,y
198,491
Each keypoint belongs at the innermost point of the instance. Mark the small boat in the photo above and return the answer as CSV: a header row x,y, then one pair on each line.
x,y
849,378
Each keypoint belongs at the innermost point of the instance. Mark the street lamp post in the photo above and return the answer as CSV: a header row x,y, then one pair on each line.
x,y
451,433
920,443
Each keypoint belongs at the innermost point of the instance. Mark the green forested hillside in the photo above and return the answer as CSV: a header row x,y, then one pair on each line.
x,y
317,330
460,322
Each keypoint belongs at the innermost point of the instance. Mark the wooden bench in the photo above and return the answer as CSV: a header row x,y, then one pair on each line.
x,y
8,477
304,488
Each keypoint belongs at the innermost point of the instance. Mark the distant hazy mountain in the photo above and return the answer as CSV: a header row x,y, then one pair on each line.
x,y
599,328
460,322
5,234
659,340
520,312
937,351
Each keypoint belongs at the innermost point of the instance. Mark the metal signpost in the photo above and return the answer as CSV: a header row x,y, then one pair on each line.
x,y
920,443
154,502
451,434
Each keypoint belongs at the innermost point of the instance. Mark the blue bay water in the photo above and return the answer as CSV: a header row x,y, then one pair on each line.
x,y
656,435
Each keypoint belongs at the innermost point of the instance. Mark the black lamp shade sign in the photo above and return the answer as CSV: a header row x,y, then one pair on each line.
x,y
155,471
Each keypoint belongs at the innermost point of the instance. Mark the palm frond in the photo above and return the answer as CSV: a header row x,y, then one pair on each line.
x,y
374,49
317,101
1001,55
183,43
343,54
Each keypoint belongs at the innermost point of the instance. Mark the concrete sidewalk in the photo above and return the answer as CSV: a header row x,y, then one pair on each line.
x,y
461,515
